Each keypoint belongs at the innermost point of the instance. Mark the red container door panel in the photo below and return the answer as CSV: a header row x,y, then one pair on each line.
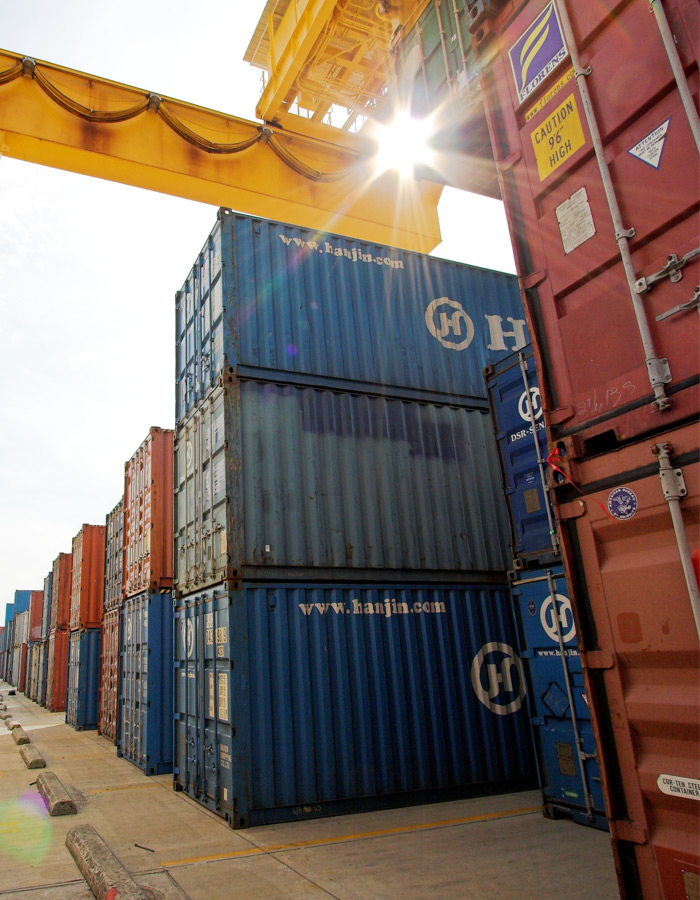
x,y
36,606
61,591
595,375
87,594
148,513
641,655
58,661
109,676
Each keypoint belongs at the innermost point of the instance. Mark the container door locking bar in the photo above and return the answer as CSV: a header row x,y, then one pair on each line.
x,y
693,303
671,270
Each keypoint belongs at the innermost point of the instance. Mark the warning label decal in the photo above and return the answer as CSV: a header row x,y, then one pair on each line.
x,y
675,786
557,137
650,148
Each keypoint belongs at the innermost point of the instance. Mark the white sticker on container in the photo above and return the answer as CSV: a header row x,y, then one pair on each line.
x,y
218,429
223,696
677,786
575,220
189,457
206,492
651,147
211,695
622,503
219,477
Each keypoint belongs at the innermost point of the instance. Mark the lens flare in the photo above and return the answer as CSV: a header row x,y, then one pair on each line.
x,y
25,832
403,144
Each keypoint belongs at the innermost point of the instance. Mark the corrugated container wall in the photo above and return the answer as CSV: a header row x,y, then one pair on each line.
x,y
109,677
600,182
46,608
309,306
148,515
61,585
299,700
83,689
114,556
22,599
87,591
44,664
145,728
57,671
271,478
36,608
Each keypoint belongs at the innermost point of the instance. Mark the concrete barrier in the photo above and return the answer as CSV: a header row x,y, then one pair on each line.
x,y
58,800
20,735
10,724
32,757
101,869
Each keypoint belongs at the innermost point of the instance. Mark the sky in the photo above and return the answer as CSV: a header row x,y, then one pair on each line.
x,y
89,269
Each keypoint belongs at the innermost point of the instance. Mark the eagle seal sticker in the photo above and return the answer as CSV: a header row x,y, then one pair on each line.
x,y
537,52
622,503
557,137
650,148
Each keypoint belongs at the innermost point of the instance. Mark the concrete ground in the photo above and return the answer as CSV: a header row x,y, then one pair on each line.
x,y
492,848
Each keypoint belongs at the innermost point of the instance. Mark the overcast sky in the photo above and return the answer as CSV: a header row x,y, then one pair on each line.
x,y
89,269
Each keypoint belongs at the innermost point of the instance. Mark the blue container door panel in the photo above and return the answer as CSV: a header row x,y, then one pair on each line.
x,y
549,696
82,697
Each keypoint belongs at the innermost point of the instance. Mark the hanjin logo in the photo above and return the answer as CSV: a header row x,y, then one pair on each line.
x,y
535,402
566,618
447,318
190,639
537,52
498,678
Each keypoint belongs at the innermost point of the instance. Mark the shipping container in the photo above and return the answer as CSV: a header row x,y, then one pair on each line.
x,y
43,671
600,181
145,730
114,556
61,584
623,543
46,608
36,608
87,582
22,680
22,599
109,678
32,670
83,690
274,479
57,671
148,515
521,439
300,700
310,306
558,704
9,628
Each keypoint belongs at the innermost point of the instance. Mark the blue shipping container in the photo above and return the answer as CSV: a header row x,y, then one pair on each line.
x,y
520,442
264,295
298,700
46,608
570,784
21,603
272,477
82,695
145,712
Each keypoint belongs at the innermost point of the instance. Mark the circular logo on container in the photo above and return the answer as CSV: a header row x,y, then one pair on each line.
x,y
498,678
190,638
566,618
536,405
446,319
189,457
622,503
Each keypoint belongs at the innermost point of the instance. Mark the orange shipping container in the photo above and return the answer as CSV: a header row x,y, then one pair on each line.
x,y
109,678
148,515
36,607
87,590
61,591
57,671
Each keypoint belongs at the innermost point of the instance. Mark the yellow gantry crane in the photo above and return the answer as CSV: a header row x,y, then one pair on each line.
x,y
329,74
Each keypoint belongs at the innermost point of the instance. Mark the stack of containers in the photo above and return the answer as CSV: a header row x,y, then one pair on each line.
x,y
21,639
560,714
34,660
44,638
87,592
113,593
59,623
340,538
146,643
3,629
601,189
9,626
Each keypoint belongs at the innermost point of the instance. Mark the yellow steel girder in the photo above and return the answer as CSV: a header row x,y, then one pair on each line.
x,y
69,120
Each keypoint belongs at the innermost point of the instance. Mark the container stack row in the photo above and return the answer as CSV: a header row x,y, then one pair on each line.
x,y
341,599
557,702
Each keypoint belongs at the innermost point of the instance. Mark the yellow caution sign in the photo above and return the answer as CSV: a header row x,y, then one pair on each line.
x,y
557,137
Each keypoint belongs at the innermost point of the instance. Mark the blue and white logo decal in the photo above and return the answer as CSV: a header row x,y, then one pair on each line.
x,y
622,503
498,678
537,52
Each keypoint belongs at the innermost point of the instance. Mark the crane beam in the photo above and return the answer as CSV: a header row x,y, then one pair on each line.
x,y
66,119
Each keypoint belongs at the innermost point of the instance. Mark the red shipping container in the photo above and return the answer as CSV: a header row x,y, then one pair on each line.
x,y
148,515
22,680
57,671
36,608
603,211
109,678
640,652
61,591
87,590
